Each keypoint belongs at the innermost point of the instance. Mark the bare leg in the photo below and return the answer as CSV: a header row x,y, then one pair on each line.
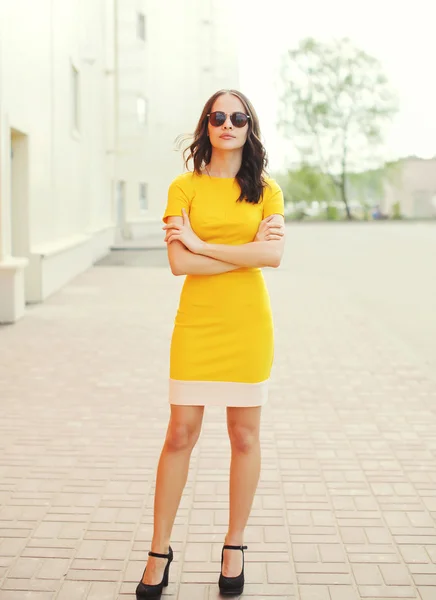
x,y
183,431
243,425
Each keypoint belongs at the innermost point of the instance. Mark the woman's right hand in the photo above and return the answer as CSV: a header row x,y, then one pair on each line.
x,y
271,228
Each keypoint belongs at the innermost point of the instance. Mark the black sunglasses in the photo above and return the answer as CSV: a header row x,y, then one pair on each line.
x,y
218,118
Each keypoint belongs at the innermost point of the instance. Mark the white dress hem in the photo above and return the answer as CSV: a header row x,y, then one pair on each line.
x,y
217,393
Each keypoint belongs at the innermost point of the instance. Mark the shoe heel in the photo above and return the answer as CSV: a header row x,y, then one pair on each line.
x,y
166,576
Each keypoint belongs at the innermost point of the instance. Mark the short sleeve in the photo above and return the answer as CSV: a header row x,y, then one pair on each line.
x,y
273,202
177,199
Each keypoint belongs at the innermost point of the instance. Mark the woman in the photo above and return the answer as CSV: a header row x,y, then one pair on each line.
x,y
224,221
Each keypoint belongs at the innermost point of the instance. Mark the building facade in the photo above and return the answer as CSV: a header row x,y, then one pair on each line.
x,y
92,97
413,188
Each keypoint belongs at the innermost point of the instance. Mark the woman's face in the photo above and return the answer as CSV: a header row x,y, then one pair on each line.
x,y
227,136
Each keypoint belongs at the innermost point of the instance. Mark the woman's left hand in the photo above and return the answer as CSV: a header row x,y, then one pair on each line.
x,y
271,228
184,233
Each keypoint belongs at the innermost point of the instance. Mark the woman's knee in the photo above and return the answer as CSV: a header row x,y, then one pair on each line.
x,y
243,438
181,436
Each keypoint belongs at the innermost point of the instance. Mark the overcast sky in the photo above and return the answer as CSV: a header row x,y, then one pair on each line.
x,y
402,38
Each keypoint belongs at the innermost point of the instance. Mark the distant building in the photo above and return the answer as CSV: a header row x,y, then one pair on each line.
x,y
413,187
92,96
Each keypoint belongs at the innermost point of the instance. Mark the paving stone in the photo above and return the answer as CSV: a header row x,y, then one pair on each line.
x,y
346,503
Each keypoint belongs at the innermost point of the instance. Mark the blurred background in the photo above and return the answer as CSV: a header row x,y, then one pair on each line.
x,y
93,94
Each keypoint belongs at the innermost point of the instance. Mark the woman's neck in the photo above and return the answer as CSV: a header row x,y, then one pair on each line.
x,y
224,164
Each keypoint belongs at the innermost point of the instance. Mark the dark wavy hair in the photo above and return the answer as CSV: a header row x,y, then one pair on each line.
x,y
251,175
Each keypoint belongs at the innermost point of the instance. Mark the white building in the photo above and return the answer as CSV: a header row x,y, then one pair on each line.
x,y
92,96
413,188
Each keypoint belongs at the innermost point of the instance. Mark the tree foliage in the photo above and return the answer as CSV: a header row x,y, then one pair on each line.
x,y
335,106
306,184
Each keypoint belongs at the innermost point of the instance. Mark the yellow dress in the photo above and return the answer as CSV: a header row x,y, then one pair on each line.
x,y
222,345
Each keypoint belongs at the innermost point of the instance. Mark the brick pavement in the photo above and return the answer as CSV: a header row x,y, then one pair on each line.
x,y
346,504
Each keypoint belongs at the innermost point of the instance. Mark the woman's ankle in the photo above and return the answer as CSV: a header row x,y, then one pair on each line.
x,y
159,546
234,539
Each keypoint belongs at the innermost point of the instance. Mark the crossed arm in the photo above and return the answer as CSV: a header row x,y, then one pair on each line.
x,y
188,255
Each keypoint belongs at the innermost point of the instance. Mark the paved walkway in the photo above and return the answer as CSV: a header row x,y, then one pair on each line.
x,y
346,504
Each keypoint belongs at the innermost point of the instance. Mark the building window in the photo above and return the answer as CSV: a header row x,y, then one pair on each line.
x,y
141,108
143,200
140,26
75,98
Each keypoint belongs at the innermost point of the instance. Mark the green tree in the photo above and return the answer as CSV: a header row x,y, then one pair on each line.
x,y
335,105
306,184
368,187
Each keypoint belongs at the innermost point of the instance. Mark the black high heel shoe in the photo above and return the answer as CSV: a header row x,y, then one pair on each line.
x,y
232,585
145,590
